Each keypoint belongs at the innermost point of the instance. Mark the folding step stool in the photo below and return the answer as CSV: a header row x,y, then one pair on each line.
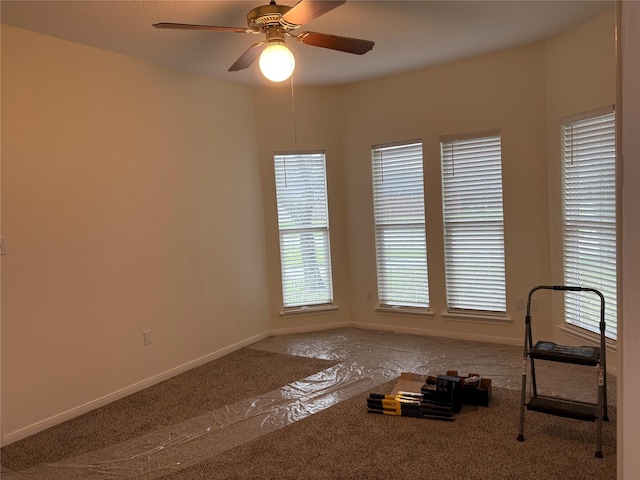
x,y
549,351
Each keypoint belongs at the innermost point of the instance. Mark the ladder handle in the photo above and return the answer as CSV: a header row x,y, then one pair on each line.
x,y
567,288
564,287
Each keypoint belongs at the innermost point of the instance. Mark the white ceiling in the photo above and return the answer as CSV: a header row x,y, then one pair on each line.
x,y
407,34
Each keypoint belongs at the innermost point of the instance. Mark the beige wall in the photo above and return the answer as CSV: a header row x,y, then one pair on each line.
x,y
505,91
131,201
522,91
315,125
628,386
581,76
118,178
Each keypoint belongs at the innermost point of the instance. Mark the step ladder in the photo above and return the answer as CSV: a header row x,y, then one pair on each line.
x,y
549,351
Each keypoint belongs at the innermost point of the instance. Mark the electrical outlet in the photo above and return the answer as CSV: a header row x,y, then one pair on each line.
x,y
147,337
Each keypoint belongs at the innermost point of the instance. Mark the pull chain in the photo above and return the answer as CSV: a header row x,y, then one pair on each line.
x,y
293,109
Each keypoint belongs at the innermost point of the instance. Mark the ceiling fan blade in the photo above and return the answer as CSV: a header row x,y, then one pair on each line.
x,y
334,42
211,28
248,57
306,10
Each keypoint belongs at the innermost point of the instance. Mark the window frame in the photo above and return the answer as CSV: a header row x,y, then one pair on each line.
x,y
397,231
459,304
576,305
315,221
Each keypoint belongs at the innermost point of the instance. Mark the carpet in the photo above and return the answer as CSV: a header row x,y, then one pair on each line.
x,y
342,441
347,442
238,375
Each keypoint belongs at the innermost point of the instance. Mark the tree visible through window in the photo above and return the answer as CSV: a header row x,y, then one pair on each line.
x,y
303,222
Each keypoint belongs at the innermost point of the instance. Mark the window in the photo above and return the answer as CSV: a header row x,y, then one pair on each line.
x,y
401,244
589,219
473,223
303,221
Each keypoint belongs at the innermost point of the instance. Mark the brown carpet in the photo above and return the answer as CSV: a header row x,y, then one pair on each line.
x,y
346,442
241,374
343,441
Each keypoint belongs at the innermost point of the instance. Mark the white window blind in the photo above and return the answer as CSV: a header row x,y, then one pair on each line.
x,y
589,220
473,223
303,221
401,245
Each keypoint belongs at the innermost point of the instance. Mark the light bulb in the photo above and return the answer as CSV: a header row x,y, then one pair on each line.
x,y
277,62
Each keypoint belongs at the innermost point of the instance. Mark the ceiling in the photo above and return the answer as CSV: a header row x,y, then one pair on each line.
x,y
408,34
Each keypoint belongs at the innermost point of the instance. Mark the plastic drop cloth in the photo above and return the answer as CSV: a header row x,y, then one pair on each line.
x,y
405,353
366,359
202,437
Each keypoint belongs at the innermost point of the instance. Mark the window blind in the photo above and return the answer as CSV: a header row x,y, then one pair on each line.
x,y
589,220
400,228
473,223
303,222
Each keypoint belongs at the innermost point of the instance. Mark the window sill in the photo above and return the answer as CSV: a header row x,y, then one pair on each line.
x,y
587,336
309,310
409,311
491,319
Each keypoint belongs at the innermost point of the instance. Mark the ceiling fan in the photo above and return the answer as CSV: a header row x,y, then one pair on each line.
x,y
276,22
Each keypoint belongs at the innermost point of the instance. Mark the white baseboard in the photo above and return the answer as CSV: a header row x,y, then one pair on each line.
x,y
105,400
410,331
118,394
309,328
439,333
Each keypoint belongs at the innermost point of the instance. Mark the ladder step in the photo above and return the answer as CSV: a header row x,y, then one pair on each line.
x,y
563,408
566,354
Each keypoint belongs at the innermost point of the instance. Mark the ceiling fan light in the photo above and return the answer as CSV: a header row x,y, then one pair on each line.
x,y
277,62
